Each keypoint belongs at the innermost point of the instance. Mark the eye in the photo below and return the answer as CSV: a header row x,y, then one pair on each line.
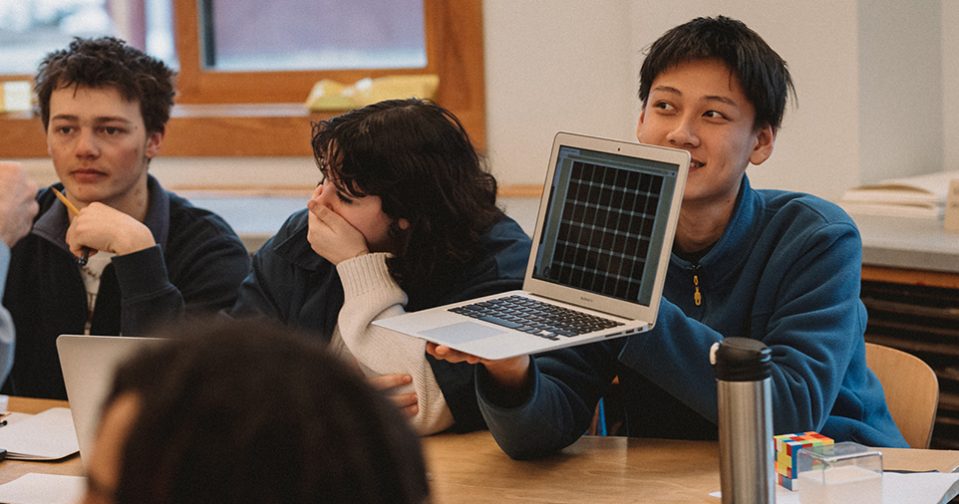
x,y
63,130
111,130
344,198
715,114
664,106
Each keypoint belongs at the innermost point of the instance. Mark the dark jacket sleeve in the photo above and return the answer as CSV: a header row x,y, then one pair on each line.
x,y
200,274
565,386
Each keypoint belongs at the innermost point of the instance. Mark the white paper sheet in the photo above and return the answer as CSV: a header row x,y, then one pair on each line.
x,y
45,436
898,488
33,488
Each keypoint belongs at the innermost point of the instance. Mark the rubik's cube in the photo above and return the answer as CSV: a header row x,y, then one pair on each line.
x,y
787,449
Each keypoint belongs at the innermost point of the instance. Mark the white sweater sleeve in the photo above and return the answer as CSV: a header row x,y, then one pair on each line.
x,y
371,293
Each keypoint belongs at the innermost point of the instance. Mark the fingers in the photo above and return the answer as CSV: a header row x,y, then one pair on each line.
x,y
446,353
510,372
390,381
406,403
333,237
332,219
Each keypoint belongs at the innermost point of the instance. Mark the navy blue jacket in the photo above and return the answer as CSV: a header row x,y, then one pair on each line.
x,y
293,284
195,268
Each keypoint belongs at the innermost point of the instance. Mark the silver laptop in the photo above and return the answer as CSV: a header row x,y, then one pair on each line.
x,y
600,252
88,364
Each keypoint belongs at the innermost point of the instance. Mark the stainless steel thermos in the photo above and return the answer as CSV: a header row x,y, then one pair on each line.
x,y
746,470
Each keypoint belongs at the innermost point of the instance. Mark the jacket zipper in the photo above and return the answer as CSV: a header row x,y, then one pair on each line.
x,y
697,295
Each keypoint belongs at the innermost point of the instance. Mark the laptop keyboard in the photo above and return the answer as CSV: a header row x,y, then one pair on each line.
x,y
535,317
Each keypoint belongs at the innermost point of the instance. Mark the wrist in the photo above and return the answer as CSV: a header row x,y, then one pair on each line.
x,y
349,256
134,243
510,373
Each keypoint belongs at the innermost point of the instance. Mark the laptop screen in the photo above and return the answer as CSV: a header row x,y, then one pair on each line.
x,y
605,223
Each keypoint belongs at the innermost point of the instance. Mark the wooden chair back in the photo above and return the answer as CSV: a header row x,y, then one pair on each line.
x,y
911,388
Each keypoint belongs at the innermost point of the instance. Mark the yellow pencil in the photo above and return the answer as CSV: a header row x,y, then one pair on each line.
x,y
63,199
82,260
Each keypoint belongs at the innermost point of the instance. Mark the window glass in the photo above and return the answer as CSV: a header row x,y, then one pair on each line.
x,y
29,29
250,35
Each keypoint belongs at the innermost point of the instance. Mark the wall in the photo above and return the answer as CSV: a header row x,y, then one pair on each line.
x,y
554,65
876,82
950,86
901,100
864,113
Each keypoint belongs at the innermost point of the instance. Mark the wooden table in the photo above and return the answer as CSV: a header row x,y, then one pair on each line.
x,y
604,469
472,468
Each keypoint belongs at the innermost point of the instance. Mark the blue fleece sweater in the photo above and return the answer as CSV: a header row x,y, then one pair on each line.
x,y
786,271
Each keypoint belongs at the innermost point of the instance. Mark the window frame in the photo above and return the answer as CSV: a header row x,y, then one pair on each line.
x,y
234,114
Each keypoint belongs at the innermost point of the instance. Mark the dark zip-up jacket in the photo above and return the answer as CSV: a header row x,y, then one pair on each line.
x,y
196,267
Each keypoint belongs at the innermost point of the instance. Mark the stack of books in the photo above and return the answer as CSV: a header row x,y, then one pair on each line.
x,y
921,196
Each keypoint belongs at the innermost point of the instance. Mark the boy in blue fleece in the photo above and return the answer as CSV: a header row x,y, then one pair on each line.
x,y
776,266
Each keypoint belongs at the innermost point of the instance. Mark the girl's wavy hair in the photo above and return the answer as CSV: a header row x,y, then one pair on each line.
x,y
417,157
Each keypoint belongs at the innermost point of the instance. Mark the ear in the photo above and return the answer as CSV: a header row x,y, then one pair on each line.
x,y
765,140
639,124
153,144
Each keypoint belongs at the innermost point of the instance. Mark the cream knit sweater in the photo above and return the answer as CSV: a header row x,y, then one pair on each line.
x,y
371,293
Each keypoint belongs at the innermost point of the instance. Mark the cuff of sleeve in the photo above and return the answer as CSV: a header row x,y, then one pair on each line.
x,y
4,264
502,399
366,273
142,272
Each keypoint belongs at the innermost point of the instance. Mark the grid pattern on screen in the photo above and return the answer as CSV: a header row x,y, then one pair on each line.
x,y
605,229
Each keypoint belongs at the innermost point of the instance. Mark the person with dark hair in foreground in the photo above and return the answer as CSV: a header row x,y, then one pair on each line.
x,y
405,218
243,411
148,255
776,266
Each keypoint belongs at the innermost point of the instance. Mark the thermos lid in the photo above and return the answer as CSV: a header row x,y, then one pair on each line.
x,y
741,359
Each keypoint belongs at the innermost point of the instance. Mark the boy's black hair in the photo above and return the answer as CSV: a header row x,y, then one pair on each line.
x,y
761,72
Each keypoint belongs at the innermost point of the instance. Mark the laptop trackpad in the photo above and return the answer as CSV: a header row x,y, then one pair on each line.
x,y
462,332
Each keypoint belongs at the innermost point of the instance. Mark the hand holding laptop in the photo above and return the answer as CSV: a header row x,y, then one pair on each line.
x,y
511,372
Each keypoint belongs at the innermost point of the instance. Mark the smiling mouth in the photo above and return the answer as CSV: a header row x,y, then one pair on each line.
x,y
696,164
